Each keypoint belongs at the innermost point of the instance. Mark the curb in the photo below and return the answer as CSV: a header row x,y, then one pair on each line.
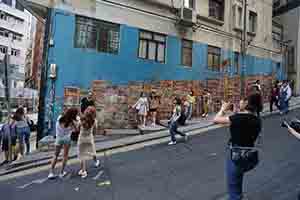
x,y
112,145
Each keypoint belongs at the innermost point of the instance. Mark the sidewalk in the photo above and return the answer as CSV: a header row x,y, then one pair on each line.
x,y
111,141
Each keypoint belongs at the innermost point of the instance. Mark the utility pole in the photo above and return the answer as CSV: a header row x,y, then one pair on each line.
x,y
7,93
244,51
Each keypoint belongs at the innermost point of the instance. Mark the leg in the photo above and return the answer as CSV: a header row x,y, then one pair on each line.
x,y
271,105
172,131
21,143
234,180
190,112
27,142
65,157
54,160
154,117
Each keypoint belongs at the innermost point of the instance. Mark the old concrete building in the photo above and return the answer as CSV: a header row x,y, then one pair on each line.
x,y
290,21
120,48
15,25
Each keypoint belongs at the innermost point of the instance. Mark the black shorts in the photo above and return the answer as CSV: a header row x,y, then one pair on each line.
x,y
153,110
5,146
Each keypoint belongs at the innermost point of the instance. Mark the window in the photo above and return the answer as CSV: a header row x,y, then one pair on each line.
x,y
189,4
240,16
3,16
7,2
4,33
252,22
15,52
291,56
214,58
17,37
19,6
236,62
276,3
95,34
216,9
152,46
187,53
3,49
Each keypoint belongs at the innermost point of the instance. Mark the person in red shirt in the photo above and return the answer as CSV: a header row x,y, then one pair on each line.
x,y
274,97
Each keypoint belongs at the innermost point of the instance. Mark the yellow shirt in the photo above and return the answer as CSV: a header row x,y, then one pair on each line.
x,y
191,99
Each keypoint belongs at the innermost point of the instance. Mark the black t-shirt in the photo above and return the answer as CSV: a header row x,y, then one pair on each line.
x,y
244,129
85,103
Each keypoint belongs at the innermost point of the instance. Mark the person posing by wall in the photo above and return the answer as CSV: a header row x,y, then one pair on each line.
x,y
207,101
274,96
191,99
86,102
285,95
142,106
245,127
86,143
66,123
154,104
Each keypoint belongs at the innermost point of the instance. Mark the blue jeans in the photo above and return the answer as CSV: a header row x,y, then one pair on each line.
x,y
24,136
284,106
173,131
190,112
235,176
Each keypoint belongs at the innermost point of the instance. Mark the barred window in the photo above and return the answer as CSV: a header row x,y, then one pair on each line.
x,y
152,46
216,9
95,34
187,53
214,58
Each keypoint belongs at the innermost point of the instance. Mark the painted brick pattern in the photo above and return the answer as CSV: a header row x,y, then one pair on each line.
x,y
114,101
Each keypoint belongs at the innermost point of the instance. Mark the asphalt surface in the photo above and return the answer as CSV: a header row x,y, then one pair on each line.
x,y
187,171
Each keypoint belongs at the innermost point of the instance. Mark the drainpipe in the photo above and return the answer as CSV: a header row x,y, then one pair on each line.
x,y
243,51
43,81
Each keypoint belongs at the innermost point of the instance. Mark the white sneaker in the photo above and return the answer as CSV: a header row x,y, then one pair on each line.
x,y
97,164
172,143
84,174
63,174
51,175
80,172
186,137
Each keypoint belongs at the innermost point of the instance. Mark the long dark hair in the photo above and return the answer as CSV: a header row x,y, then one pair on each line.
x,y
19,114
69,116
255,103
88,118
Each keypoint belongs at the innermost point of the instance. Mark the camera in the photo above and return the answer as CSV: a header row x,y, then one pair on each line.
x,y
294,124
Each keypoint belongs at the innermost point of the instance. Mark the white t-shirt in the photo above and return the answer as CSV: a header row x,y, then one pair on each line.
x,y
62,132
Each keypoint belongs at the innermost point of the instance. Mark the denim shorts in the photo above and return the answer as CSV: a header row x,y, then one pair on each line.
x,y
22,132
66,140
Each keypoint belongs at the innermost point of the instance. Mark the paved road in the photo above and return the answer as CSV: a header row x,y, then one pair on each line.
x,y
186,171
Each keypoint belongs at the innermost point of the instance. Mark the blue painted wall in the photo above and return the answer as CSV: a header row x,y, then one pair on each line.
x,y
79,67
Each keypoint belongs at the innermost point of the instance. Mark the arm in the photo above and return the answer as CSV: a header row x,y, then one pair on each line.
x,y
220,117
288,93
293,132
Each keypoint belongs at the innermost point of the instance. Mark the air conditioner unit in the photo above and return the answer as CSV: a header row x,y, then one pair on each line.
x,y
188,16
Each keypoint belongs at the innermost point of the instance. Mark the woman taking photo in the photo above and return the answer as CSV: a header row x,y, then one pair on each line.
x,y
64,126
245,127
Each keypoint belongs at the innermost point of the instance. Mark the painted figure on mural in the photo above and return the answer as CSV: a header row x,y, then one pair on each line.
x,y
191,99
142,106
207,102
87,101
154,104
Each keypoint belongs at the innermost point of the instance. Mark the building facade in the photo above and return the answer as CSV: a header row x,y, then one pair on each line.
x,y
15,25
291,25
121,48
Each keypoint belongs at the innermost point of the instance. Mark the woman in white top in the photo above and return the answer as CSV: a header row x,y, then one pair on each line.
x,y
142,105
64,126
86,143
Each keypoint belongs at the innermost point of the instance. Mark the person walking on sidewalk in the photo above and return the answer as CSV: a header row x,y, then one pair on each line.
x,y
86,143
284,97
274,97
191,99
23,131
86,102
174,122
142,106
64,126
245,127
